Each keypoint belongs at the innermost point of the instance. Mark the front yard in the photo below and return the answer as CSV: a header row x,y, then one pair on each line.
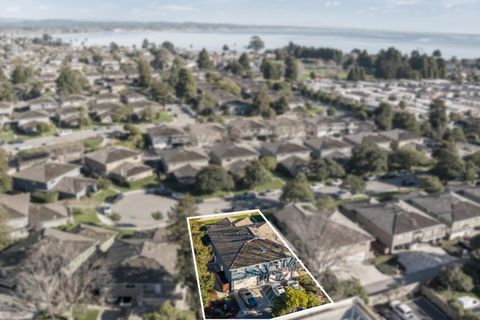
x,y
387,264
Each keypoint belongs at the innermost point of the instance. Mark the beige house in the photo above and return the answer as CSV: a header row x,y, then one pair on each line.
x,y
105,161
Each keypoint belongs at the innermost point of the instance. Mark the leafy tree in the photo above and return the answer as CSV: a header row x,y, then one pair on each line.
x,y
430,184
368,159
5,179
297,190
204,61
331,112
281,106
322,169
144,73
186,87
291,69
384,116
438,115
212,179
356,73
406,159
354,184
145,44
455,134
161,59
454,279
70,82
5,235
449,165
103,183
256,44
244,60
271,70
21,74
292,300
470,174
161,91
269,163
262,103
326,203
474,157
256,175
344,289
235,67
169,46
406,121
168,312
6,91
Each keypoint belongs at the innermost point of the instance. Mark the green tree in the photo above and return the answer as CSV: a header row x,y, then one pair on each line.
x,y
256,175
5,232
168,312
271,70
384,116
256,44
297,190
144,73
455,279
204,61
331,112
6,91
368,159
212,179
161,91
322,169
438,115
21,74
356,73
291,69
449,165
430,184
406,121
326,203
70,82
244,60
270,163
292,300
5,179
406,159
354,184
262,103
281,106
186,87
470,174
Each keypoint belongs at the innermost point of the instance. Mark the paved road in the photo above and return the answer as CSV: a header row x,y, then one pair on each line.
x,y
135,210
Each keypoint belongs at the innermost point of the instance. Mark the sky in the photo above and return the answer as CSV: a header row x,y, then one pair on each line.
x,y
444,16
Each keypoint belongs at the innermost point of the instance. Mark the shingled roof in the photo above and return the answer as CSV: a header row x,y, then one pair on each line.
x,y
447,207
239,247
46,172
110,155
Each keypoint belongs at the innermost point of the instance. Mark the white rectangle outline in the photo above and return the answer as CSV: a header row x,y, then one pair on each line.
x,y
284,317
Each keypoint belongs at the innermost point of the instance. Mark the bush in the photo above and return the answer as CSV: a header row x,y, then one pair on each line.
x,y
115,217
44,197
430,184
157,215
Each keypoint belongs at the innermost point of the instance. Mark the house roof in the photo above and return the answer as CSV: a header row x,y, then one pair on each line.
x,y
366,137
16,206
223,151
399,135
326,143
74,185
447,207
40,213
164,131
285,147
182,155
110,155
29,115
97,233
305,223
186,172
239,247
391,217
129,169
46,172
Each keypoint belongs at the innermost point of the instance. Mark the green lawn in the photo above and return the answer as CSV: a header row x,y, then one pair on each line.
x,y
164,116
101,195
6,136
146,183
88,314
274,184
87,216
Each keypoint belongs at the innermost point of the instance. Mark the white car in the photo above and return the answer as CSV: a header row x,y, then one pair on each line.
x,y
403,310
278,289
294,284
107,209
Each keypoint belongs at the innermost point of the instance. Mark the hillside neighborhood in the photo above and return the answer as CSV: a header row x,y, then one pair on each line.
x,y
371,177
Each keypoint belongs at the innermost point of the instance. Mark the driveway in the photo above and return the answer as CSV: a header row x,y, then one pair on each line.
x,y
136,210
424,257
425,310
367,273
214,205
263,309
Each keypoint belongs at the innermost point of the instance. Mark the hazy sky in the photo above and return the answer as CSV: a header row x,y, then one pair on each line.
x,y
459,16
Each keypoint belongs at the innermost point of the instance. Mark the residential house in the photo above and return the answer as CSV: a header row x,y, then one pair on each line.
x,y
42,103
105,237
395,224
282,150
16,207
249,129
104,112
244,259
328,238
327,147
232,155
49,215
164,136
286,128
74,101
460,214
403,137
370,138
70,117
28,121
184,164
6,110
206,134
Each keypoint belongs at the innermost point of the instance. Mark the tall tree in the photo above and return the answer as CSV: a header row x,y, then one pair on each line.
x,y
5,230
144,73
244,61
438,115
5,179
204,61
255,175
186,87
368,159
70,82
6,91
168,312
291,69
384,116
161,91
449,165
256,44
262,103
212,179
297,190
406,121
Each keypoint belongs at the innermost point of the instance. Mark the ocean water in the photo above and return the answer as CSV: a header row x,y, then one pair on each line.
x,y
461,46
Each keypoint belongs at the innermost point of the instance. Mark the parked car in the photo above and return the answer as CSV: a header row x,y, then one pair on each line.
x,y
115,198
176,195
403,310
247,297
278,289
107,209
468,303
163,192
343,194
294,284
